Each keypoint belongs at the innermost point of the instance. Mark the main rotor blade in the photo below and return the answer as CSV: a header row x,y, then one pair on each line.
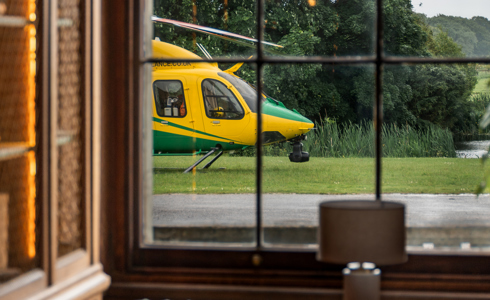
x,y
243,43
209,30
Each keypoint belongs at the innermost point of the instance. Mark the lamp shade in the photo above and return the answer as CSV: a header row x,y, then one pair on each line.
x,y
362,231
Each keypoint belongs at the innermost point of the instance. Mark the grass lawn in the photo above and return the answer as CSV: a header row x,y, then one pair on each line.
x,y
318,176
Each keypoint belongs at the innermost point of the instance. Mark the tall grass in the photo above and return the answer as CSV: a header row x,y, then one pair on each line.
x,y
357,140
406,141
333,140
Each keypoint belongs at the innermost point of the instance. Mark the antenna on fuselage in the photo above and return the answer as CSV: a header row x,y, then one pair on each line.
x,y
204,51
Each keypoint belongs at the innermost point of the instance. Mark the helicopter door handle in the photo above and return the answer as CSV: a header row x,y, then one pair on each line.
x,y
216,122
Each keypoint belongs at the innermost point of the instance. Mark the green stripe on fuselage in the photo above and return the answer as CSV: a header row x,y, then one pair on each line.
x,y
187,128
166,142
270,107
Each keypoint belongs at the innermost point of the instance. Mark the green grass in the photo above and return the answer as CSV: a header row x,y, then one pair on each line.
x,y
319,175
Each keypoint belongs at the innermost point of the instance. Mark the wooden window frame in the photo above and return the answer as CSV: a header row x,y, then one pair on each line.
x,y
141,271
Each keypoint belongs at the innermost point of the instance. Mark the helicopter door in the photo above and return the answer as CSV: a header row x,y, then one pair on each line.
x,y
172,118
224,115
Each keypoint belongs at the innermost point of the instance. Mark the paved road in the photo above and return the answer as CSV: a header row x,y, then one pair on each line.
x,y
422,210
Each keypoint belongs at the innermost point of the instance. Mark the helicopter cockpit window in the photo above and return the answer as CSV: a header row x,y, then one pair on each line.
x,y
169,98
220,102
248,93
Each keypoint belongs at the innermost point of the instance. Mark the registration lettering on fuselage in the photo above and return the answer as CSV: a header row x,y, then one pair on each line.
x,y
170,65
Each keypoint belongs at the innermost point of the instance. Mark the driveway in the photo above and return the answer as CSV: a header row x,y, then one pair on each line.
x,y
444,220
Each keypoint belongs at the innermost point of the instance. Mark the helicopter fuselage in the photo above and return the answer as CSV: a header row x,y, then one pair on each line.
x,y
197,107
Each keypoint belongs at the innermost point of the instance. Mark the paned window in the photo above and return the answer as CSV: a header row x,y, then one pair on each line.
x,y
386,88
386,92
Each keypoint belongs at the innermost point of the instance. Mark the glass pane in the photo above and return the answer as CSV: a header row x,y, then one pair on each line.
x,y
327,28
431,114
70,144
203,114
437,28
18,216
337,156
321,28
192,25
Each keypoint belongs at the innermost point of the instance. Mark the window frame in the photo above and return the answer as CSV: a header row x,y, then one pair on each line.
x,y
146,271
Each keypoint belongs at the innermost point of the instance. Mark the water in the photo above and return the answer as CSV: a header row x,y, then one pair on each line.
x,y
472,149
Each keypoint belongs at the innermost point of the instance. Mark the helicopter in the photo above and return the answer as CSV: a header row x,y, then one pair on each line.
x,y
200,109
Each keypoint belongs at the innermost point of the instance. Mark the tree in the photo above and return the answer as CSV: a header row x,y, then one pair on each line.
x,y
441,93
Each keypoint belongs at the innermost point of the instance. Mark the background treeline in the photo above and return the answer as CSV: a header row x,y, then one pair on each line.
x,y
473,35
418,96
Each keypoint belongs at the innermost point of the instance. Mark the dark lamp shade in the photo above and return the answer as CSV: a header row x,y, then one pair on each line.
x,y
362,231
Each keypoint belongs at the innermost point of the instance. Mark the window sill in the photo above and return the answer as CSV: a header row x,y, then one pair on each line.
x,y
131,290
88,283
23,286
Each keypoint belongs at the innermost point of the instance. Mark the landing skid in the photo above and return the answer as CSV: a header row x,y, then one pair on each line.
x,y
213,150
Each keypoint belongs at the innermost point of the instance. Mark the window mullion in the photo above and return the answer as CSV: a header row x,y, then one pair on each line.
x,y
378,105
258,171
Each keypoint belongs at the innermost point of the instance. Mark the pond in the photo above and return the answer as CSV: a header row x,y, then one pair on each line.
x,y
472,149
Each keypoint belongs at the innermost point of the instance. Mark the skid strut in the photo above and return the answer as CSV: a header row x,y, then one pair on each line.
x,y
203,158
213,160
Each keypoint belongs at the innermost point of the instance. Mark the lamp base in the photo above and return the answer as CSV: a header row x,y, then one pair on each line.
x,y
362,282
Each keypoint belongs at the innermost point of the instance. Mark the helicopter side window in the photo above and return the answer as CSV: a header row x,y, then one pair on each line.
x,y
169,98
247,91
220,102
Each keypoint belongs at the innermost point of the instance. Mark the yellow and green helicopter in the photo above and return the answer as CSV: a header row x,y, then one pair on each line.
x,y
199,108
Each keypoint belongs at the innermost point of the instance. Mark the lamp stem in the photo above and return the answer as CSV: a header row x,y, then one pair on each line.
x,y
361,283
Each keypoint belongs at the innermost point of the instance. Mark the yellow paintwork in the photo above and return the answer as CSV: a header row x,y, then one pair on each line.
x,y
166,50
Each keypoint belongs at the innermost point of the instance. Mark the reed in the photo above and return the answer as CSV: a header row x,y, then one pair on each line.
x,y
357,140
406,141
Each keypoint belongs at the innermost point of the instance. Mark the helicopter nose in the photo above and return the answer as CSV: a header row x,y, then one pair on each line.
x,y
301,128
281,124
279,129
